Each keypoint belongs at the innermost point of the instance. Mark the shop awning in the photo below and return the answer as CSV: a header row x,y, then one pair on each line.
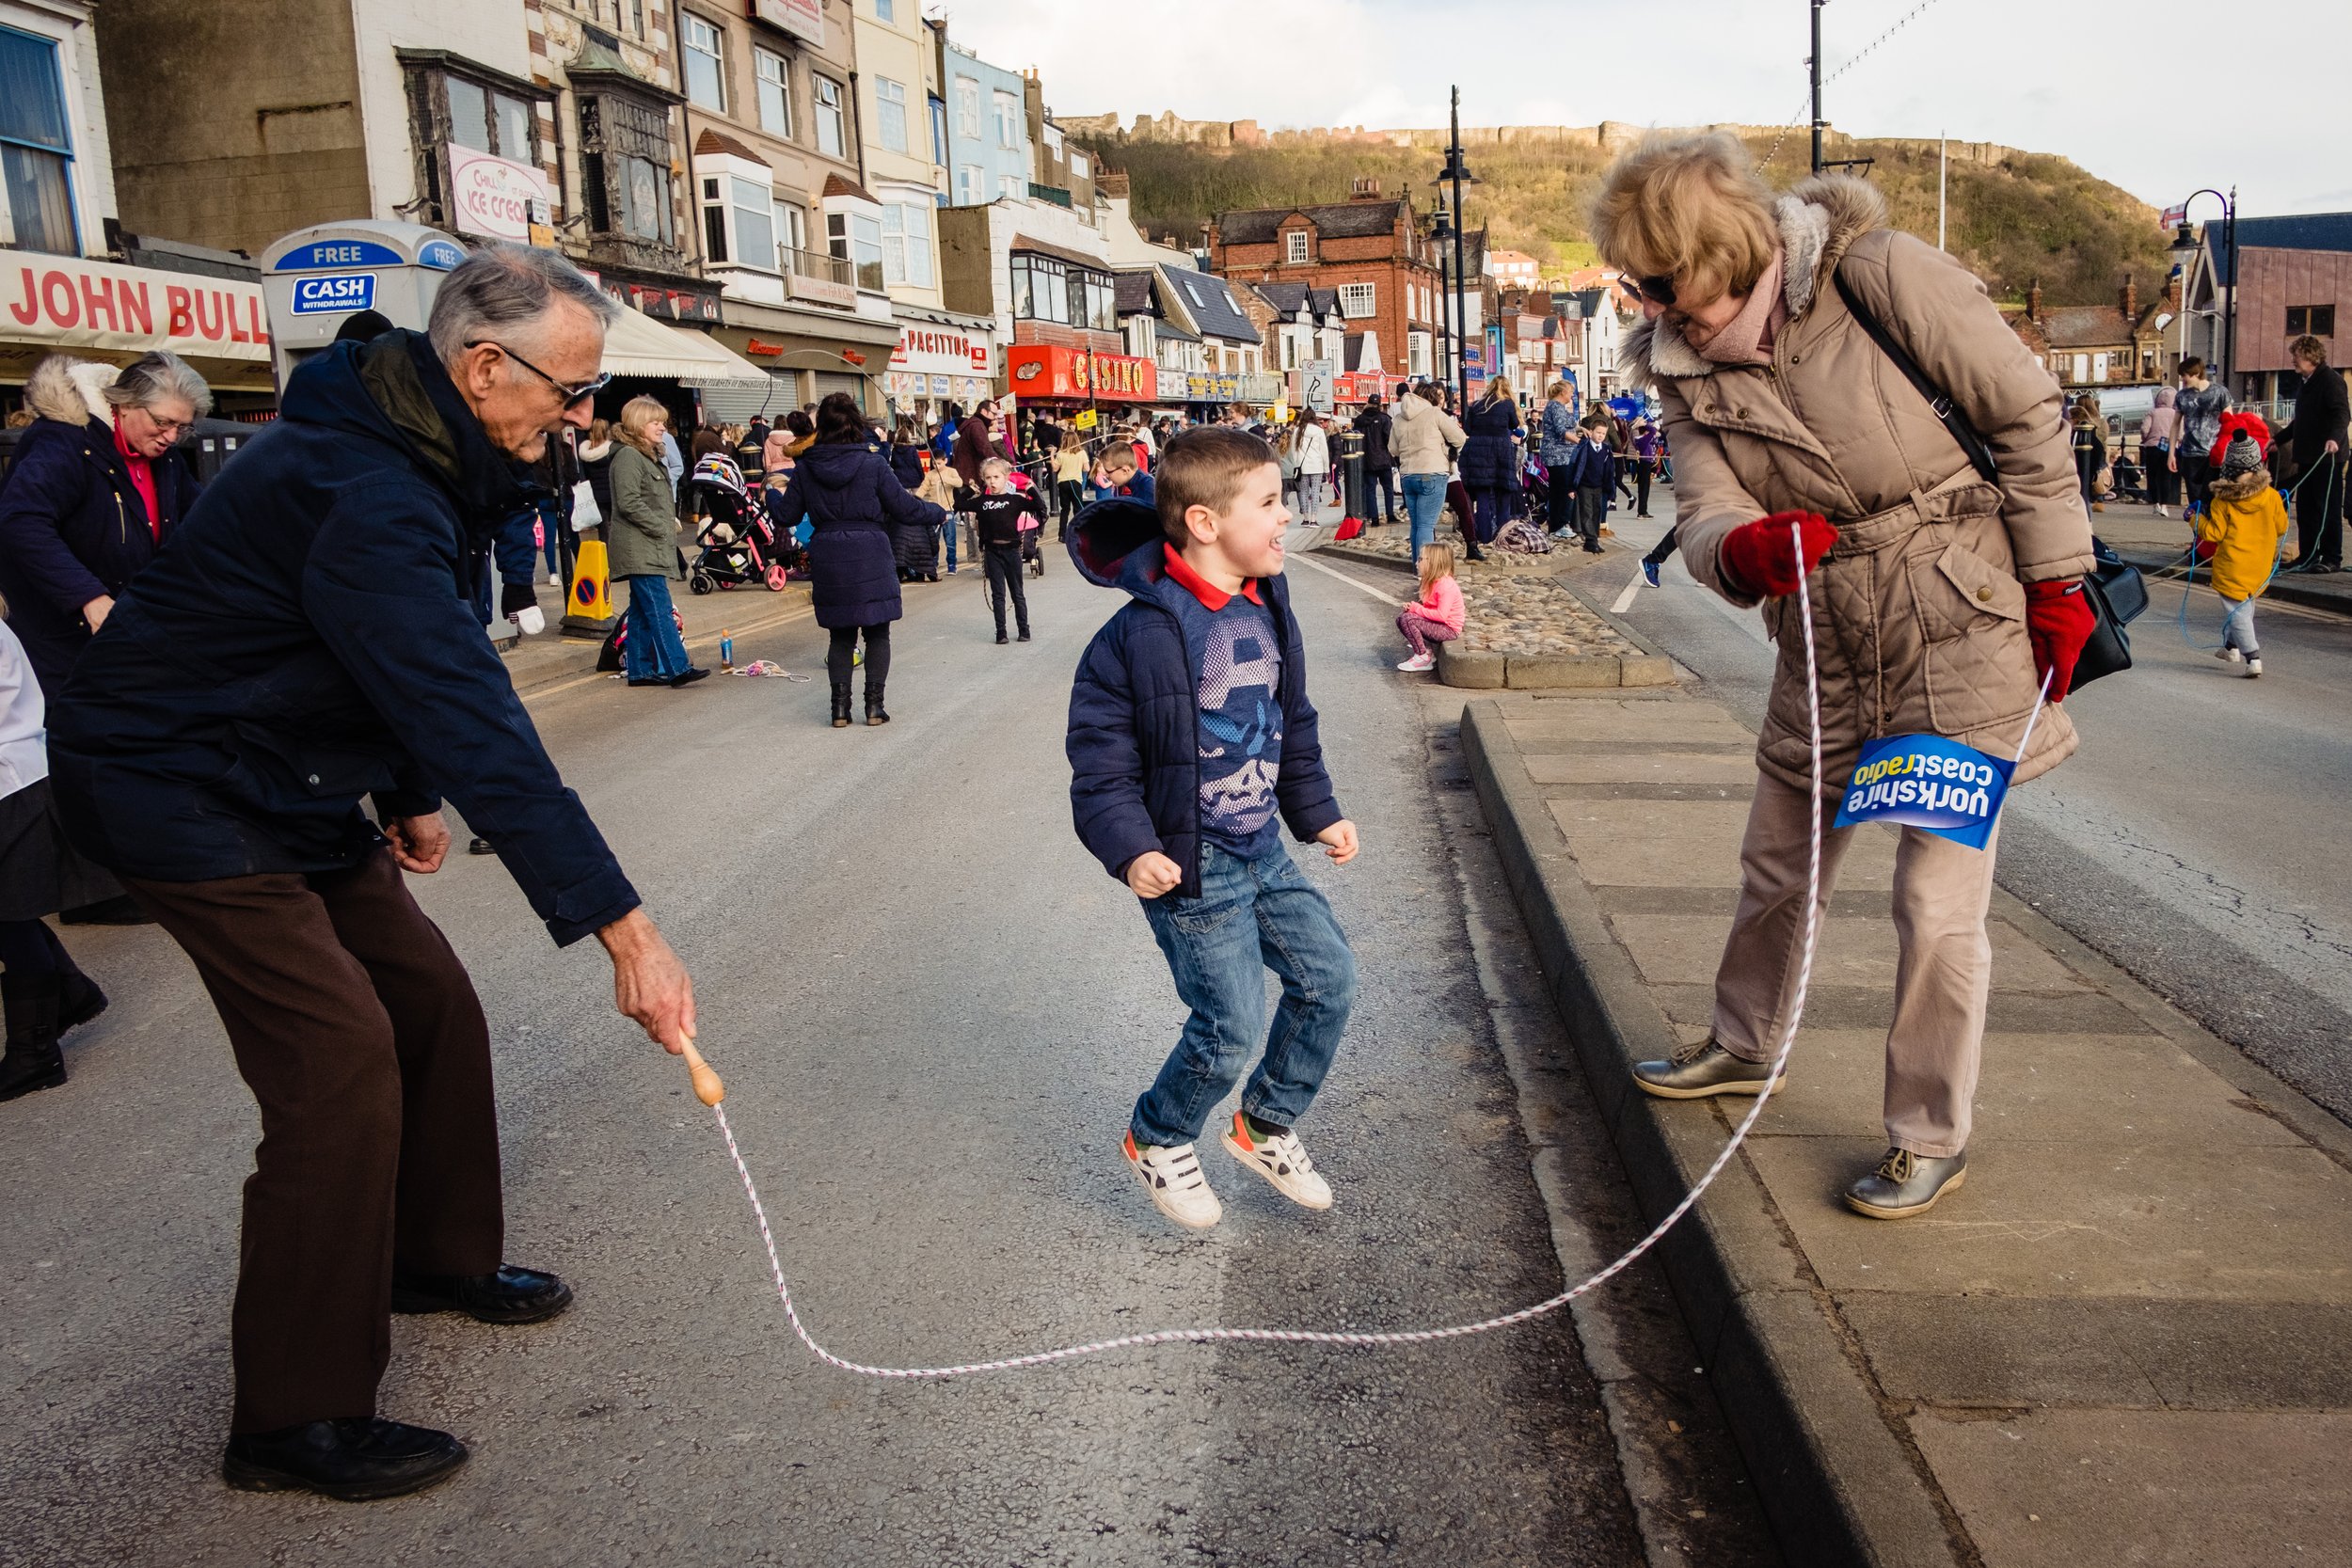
x,y
637,344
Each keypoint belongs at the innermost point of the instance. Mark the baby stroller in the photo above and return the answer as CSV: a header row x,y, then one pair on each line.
x,y
739,543
1534,498
1032,531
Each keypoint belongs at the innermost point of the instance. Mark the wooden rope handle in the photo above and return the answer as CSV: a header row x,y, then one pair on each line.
x,y
708,1088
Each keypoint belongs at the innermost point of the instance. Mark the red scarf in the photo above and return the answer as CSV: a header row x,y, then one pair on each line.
x,y
143,480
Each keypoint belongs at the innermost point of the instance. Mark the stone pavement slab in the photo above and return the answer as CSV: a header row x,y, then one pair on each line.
x,y
2217,1489
2121,1342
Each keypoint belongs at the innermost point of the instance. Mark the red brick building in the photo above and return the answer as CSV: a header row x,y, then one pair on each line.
x,y
1369,249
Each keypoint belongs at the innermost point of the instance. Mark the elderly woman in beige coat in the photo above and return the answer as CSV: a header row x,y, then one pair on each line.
x,y
1940,599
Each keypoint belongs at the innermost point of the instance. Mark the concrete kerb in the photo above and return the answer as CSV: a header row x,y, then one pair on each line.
x,y
1836,1484
2287,587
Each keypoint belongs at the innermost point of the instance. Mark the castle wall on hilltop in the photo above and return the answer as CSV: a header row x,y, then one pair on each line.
x,y
1609,135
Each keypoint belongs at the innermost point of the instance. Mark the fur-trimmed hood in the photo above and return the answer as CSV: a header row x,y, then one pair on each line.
x,y
67,390
1819,218
2245,487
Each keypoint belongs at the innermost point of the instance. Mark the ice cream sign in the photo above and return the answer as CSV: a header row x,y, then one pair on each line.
x,y
496,199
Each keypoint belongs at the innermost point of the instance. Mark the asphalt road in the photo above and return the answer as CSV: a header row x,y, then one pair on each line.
x,y
932,1011
2195,838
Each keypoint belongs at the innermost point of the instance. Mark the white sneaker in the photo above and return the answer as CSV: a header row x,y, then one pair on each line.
x,y
2228,655
1172,1177
2164,512
1420,663
1282,1161
554,581
2253,669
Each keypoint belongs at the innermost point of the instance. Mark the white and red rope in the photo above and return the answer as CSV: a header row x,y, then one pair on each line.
x,y
1372,1339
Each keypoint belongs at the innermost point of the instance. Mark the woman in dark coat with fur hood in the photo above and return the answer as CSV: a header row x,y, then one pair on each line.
x,y
97,489
844,485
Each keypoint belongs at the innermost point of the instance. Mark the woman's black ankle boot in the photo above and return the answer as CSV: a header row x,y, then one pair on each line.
x,y
33,1060
841,704
874,714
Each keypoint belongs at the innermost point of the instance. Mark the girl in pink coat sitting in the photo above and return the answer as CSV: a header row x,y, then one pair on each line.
x,y
1438,615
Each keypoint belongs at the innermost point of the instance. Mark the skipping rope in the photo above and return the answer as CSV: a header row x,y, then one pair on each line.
x,y
711,1092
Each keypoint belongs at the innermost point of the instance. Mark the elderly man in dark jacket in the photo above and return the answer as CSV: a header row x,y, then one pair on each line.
x,y
97,489
2317,436
309,641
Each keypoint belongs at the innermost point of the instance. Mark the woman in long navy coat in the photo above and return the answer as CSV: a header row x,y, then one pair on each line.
x,y
844,485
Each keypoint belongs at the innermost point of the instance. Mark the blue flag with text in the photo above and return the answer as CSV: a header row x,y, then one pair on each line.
x,y
1927,782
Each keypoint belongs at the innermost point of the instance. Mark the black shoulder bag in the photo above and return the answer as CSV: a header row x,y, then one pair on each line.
x,y
2113,585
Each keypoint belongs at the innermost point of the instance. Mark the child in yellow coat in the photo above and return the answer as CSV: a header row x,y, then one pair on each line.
x,y
2245,524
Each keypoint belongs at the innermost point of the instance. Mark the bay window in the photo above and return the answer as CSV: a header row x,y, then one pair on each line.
x,y
906,244
857,238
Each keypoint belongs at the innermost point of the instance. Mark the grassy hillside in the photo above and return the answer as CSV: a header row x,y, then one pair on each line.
x,y
2032,216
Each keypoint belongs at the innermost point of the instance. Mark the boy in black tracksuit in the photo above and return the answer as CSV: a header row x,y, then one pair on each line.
x,y
996,519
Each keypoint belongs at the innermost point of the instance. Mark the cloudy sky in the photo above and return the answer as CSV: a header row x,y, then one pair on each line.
x,y
2159,96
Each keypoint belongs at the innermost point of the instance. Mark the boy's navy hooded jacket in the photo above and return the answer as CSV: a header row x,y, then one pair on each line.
x,y
1134,711
310,639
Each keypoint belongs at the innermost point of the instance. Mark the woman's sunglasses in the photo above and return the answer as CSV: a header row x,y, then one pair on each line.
x,y
1659,291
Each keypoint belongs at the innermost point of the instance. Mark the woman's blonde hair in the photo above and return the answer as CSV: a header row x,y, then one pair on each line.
x,y
1556,390
636,415
1689,207
1436,560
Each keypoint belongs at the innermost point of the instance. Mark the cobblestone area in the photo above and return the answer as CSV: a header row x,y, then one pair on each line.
x,y
1520,615
1515,607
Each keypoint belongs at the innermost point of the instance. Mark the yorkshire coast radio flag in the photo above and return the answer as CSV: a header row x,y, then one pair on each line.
x,y
1927,782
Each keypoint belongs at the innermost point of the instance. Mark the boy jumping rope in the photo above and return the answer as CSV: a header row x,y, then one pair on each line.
x,y
1190,734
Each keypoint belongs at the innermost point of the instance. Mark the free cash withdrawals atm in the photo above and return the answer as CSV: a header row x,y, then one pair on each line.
x,y
317,279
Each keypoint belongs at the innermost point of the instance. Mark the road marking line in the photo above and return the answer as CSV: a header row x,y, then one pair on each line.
x,y
1352,582
706,640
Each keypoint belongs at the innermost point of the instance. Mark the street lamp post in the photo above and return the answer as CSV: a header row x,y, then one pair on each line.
x,y
1814,63
1456,171
2184,245
1440,230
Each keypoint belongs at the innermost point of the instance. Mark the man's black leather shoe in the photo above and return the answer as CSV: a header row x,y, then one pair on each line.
x,y
356,1460
511,1296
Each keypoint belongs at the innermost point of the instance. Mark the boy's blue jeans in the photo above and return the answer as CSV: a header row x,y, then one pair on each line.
x,y
1252,915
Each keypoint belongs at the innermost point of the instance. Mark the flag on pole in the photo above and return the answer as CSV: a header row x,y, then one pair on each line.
x,y
2172,217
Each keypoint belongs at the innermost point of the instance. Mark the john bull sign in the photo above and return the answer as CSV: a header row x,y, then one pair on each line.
x,y
1927,782
64,302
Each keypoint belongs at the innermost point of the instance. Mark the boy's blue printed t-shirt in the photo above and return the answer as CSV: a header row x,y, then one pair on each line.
x,y
1237,672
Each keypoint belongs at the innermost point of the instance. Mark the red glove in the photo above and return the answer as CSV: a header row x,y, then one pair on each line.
x,y
2058,622
1760,559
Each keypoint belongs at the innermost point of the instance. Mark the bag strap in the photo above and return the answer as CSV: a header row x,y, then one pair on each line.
x,y
1971,444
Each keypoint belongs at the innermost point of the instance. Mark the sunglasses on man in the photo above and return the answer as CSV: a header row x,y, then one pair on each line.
x,y
572,396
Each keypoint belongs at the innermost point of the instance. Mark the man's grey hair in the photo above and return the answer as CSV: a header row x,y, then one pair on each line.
x,y
155,376
506,291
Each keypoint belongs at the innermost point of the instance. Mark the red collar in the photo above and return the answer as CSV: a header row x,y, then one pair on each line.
x,y
1212,597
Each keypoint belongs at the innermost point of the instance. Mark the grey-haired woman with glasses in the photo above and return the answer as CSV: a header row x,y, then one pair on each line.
x,y
97,486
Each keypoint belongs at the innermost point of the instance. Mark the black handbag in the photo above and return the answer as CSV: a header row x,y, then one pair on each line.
x,y
2114,586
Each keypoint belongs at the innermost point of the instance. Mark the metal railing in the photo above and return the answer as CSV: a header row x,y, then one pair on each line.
x,y
816,263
